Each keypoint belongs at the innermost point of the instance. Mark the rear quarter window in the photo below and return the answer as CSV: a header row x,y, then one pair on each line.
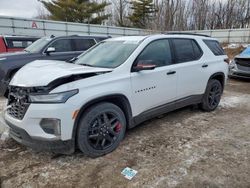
x,y
186,50
215,47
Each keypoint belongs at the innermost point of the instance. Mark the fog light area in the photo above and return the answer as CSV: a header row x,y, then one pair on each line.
x,y
51,126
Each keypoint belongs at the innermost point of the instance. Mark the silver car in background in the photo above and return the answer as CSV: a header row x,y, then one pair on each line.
x,y
240,66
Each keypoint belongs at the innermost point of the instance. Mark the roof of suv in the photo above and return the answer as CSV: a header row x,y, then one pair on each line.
x,y
80,36
18,37
140,38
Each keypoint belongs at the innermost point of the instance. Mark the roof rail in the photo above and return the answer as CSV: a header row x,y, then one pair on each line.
x,y
183,33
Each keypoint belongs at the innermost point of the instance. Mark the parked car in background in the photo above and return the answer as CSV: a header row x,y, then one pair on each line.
x,y
61,48
114,86
240,66
15,43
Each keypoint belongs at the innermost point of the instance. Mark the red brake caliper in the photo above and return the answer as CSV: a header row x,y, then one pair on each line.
x,y
118,127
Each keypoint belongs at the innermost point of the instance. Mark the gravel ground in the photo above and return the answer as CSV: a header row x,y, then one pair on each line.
x,y
185,148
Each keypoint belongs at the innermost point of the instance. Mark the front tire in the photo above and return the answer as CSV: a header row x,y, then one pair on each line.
x,y
101,129
212,96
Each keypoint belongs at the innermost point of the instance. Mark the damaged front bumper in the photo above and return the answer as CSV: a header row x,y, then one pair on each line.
x,y
57,146
34,129
238,73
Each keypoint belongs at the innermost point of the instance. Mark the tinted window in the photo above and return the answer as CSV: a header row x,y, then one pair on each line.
x,y
215,47
197,50
18,43
62,45
83,44
157,53
186,50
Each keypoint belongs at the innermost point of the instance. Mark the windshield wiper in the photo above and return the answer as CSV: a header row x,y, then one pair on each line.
x,y
26,50
88,65
72,60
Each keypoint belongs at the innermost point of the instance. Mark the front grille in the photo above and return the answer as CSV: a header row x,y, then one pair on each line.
x,y
242,74
18,102
243,68
243,61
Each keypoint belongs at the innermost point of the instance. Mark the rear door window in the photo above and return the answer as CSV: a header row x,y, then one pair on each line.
x,y
83,44
186,50
215,47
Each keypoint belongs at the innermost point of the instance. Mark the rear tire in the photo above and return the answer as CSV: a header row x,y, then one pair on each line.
x,y
100,130
212,96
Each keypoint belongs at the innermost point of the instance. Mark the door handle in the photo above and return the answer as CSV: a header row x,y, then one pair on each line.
x,y
204,65
171,72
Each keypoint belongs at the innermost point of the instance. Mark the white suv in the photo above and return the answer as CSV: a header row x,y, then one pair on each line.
x,y
114,86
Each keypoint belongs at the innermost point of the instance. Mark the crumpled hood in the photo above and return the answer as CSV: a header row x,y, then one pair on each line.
x,y
43,72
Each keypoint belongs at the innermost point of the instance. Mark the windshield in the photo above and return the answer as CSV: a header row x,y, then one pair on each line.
x,y
108,54
38,45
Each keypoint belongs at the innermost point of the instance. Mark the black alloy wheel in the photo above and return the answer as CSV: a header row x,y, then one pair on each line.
x,y
212,96
101,129
104,130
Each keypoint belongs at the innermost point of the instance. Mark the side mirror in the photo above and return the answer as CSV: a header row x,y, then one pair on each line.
x,y
50,50
144,65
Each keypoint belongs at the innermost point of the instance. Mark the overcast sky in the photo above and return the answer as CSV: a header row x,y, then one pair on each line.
x,y
19,8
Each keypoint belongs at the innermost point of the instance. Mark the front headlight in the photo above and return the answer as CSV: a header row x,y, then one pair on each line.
x,y
232,64
53,98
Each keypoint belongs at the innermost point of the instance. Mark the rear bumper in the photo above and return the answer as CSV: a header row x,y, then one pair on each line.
x,y
57,146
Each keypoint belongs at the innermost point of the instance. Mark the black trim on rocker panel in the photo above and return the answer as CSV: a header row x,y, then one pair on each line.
x,y
149,114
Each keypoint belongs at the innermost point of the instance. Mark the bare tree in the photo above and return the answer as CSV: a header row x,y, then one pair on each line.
x,y
42,13
178,15
120,11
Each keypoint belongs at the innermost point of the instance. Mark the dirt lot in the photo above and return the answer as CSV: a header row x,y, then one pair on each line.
x,y
185,148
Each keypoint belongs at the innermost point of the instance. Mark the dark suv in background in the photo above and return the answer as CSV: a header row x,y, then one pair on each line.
x,y
61,48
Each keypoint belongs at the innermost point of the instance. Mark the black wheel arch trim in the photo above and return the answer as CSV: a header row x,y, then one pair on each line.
x,y
216,75
122,103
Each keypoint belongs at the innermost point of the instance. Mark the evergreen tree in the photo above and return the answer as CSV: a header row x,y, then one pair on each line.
x,y
143,11
82,11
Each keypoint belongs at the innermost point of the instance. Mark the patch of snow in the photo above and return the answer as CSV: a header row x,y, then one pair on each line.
x,y
3,102
191,154
245,45
45,174
233,46
234,101
2,125
5,135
